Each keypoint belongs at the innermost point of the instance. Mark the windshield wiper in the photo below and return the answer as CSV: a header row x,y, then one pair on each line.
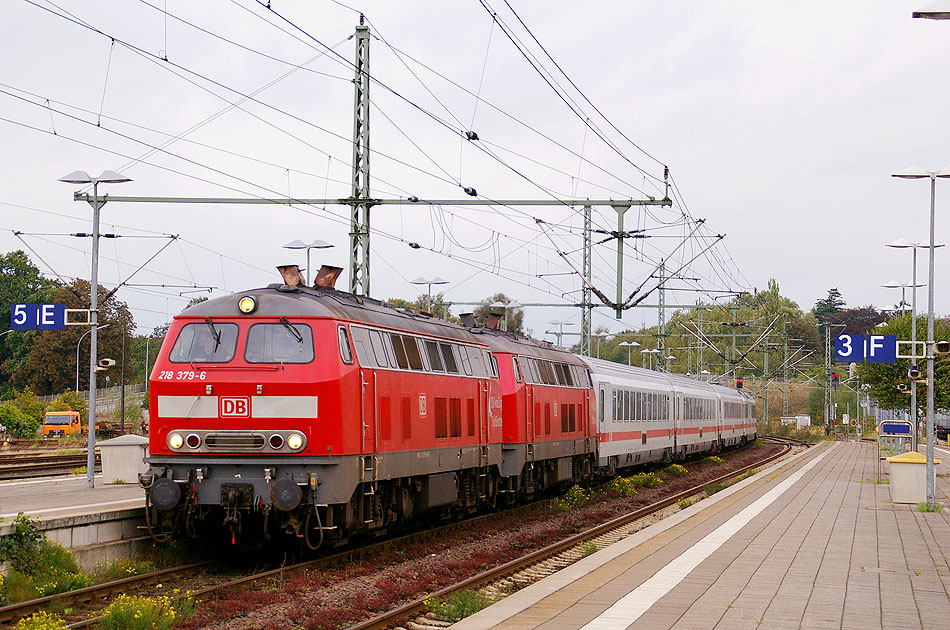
x,y
293,331
214,333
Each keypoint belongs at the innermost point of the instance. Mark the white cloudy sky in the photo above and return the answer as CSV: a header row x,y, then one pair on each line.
x,y
780,124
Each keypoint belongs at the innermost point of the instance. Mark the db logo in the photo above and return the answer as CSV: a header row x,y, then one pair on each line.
x,y
235,407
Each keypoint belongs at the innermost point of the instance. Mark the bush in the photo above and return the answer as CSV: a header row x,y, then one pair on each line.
x,y
122,568
459,605
16,422
38,567
713,459
27,403
71,401
41,621
674,470
573,498
136,612
622,486
646,480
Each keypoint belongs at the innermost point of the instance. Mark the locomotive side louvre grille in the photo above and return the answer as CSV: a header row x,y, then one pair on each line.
x,y
261,406
233,441
188,406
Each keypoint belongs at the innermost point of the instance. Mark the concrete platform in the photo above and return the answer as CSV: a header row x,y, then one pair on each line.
x,y
810,543
98,524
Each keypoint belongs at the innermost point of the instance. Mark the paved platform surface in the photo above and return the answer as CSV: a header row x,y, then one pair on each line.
x,y
65,496
811,543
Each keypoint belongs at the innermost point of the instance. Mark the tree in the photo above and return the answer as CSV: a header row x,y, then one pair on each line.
x,y
514,317
832,304
857,321
51,366
16,422
883,378
22,284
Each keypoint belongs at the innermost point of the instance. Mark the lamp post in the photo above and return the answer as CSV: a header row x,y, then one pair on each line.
x,y
298,244
668,359
903,243
560,331
82,177
650,352
436,280
629,345
81,337
916,172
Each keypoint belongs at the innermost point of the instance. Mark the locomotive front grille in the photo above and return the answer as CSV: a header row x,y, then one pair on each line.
x,y
234,441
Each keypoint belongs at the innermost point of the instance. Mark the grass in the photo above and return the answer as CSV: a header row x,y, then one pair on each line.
x,y
459,605
924,507
685,503
713,488
587,548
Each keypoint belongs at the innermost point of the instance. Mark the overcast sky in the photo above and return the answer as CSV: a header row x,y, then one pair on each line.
x,y
780,124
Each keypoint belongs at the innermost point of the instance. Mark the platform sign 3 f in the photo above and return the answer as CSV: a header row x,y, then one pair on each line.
x,y
869,349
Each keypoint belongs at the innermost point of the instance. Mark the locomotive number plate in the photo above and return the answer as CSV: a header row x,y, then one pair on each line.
x,y
181,375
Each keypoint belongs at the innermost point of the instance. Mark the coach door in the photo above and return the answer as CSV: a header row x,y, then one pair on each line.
x,y
677,418
368,415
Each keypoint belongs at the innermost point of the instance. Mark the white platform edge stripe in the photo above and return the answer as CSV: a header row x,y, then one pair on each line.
x,y
527,597
631,606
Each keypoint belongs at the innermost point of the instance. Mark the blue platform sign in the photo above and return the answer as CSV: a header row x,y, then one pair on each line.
x,y
869,348
849,349
38,317
880,349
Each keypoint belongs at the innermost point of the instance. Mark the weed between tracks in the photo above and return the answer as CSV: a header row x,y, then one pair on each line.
x,y
338,597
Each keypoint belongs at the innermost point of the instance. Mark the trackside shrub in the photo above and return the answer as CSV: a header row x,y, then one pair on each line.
x,y
646,480
713,459
37,566
674,470
622,486
459,605
136,612
575,497
17,422
41,620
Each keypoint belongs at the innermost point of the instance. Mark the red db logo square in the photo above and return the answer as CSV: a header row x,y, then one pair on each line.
x,y
235,407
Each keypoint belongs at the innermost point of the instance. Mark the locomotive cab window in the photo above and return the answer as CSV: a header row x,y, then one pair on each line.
x,y
205,342
279,343
345,353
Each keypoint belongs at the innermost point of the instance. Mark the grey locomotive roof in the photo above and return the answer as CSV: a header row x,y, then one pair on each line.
x,y
500,341
277,300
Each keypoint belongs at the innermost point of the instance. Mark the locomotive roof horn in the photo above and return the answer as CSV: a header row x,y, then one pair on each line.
x,y
327,276
291,275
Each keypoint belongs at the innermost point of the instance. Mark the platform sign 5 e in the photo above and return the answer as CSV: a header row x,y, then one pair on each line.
x,y
38,317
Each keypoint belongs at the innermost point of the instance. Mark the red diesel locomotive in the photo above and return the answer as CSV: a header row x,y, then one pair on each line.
x,y
319,414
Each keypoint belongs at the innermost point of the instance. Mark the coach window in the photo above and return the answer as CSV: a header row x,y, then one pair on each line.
x,y
515,368
205,342
346,354
435,357
279,343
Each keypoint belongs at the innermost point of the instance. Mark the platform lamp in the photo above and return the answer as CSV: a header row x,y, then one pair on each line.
x,y
668,359
629,345
316,244
82,177
436,280
917,172
650,352
935,11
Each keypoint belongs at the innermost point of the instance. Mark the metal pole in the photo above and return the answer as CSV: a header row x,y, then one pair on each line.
x,y
93,338
930,351
586,310
913,337
359,211
122,384
147,338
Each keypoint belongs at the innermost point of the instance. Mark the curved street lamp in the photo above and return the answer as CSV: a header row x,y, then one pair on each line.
x,y
436,280
82,177
917,172
629,345
298,244
81,337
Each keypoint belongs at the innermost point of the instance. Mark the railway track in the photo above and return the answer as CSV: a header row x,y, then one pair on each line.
x,y
21,465
541,562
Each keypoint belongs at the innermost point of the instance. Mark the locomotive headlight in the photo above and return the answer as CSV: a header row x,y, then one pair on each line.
x,y
175,440
247,304
294,441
